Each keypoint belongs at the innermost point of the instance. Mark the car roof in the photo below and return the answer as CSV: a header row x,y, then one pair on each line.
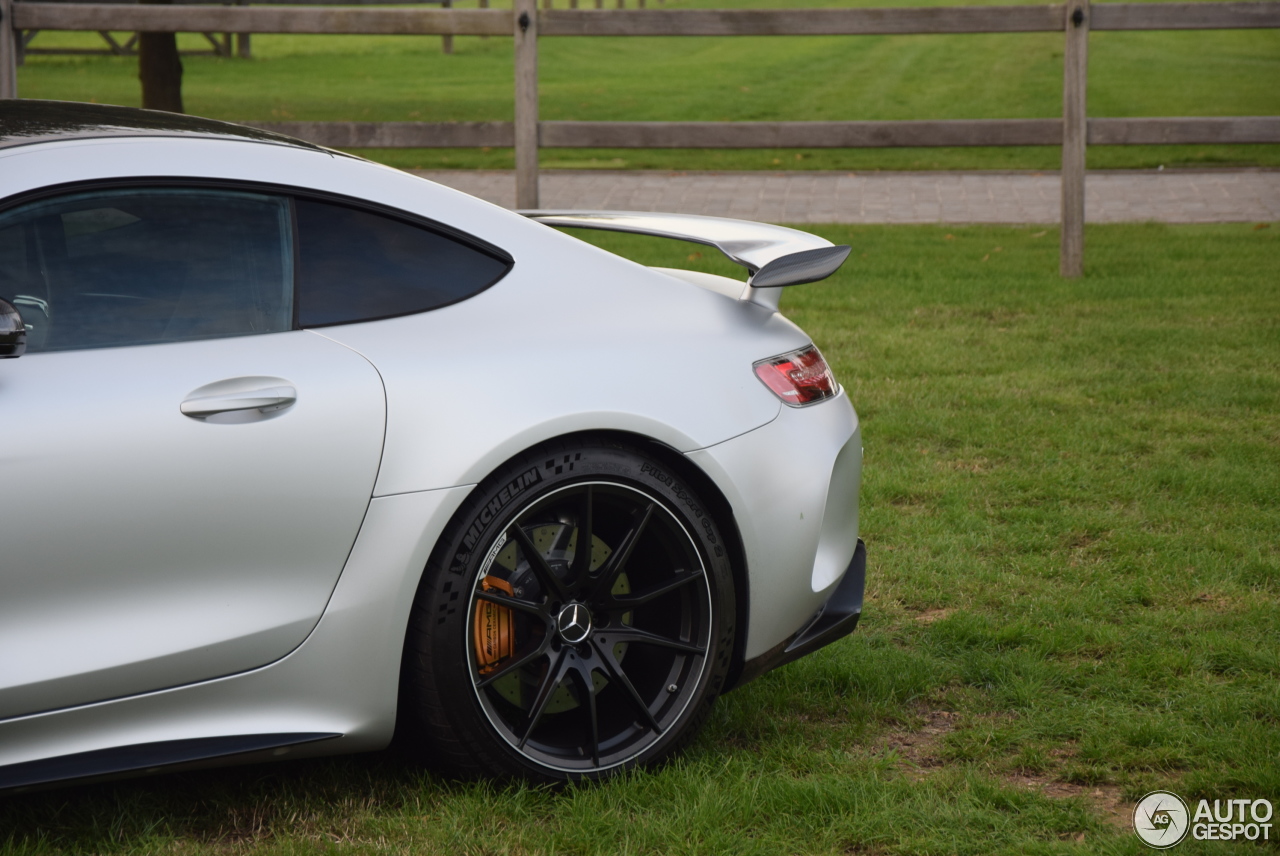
x,y
23,122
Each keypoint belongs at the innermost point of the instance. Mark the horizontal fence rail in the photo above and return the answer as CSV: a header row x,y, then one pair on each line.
x,y
525,24
314,19
1184,16
1193,130
255,2
270,19
918,21
782,135
811,22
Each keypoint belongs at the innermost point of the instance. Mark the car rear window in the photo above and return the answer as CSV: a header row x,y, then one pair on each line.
x,y
357,265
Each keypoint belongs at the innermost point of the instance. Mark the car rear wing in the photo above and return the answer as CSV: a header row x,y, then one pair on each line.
x,y
775,256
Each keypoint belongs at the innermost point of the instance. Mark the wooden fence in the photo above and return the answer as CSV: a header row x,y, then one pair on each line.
x,y
526,23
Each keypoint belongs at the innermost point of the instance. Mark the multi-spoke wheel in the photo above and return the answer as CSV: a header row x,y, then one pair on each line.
x,y
579,619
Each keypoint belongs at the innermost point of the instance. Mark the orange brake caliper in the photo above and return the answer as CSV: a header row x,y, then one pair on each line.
x,y
494,628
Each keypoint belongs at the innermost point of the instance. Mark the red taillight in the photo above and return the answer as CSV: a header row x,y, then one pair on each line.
x,y
800,377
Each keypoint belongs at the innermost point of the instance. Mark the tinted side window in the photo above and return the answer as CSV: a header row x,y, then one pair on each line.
x,y
354,265
133,267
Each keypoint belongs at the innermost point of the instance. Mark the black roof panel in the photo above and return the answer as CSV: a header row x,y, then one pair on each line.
x,y
24,121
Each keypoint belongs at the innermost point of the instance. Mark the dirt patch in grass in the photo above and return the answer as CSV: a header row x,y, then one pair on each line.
x,y
967,465
929,616
1215,601
1107,800
919,750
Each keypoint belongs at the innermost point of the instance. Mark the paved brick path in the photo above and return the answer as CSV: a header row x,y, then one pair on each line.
x,y
1175,196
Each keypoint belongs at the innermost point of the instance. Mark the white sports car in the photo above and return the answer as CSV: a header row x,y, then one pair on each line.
x,y
301,452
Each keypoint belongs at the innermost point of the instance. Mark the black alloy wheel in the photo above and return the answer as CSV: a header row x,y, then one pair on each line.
x,y
583,628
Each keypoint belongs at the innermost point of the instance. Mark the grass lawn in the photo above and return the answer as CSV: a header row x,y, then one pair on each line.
x,y
384,78
1070,508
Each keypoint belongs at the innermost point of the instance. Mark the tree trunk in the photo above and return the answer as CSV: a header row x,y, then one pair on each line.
x,y
160,69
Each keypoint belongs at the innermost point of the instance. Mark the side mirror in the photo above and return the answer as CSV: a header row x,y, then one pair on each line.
x,y
13,333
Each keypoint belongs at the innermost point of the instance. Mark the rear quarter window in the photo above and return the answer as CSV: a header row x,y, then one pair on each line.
x,y
357,265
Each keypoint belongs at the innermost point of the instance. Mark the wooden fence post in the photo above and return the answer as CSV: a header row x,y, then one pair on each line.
x,y
525,16
244,48
1075,81
8,51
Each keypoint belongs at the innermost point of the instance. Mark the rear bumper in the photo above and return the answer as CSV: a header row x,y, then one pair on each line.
x,y
835,619
792,488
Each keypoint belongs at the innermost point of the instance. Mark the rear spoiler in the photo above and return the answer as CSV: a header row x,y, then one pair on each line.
x,y
775,256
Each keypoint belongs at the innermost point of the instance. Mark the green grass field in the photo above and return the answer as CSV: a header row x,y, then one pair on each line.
x,y
381,78
1069,502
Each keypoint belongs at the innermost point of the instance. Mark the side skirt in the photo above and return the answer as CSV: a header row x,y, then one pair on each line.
x,y
145,757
